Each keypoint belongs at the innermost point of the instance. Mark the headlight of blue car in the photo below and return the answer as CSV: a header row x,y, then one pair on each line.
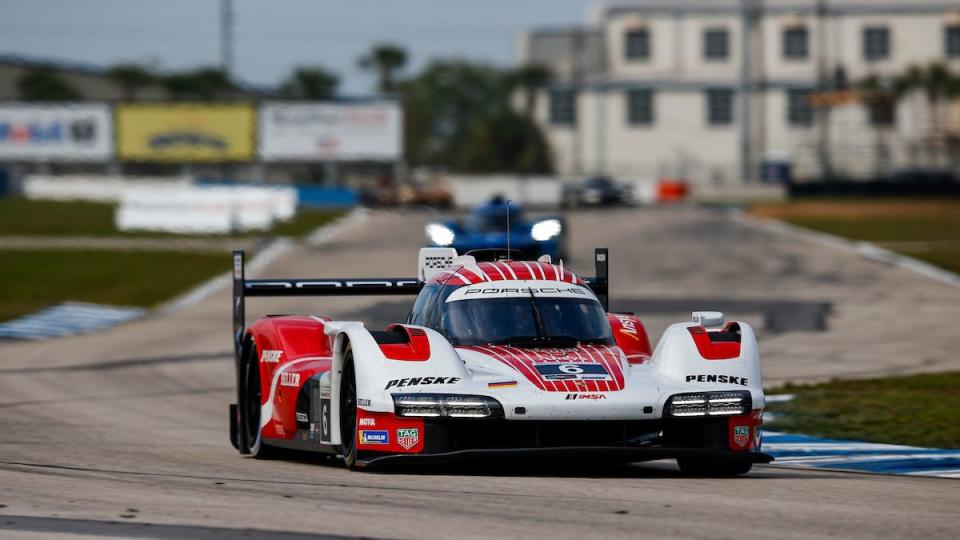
x,y
546,229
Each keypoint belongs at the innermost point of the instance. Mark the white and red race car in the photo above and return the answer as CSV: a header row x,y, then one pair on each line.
x,y
498,358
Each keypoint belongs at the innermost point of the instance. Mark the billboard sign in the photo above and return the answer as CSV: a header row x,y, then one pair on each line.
x,y
30,132
331,131
185,132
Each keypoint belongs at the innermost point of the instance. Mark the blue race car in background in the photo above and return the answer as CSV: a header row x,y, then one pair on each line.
x,y
486,228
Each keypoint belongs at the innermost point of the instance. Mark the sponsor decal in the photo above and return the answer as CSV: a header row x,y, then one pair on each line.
x,y
363,402
418,381
572,290
594,397
573,372
741,435
628,327
290,379
368,421
725,379
374,437
302,417
238,268
502,384
270,357
408,437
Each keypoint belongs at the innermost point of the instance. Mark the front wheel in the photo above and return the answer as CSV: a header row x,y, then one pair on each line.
x,y
711,468
348,411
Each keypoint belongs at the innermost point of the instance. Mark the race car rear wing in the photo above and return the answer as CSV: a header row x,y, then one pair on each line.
x,y
242,288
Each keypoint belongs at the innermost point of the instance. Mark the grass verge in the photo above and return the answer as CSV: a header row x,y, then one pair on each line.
x,y
927,229
34,279
24,217
917,410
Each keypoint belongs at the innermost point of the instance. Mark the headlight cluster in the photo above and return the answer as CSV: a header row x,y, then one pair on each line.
x,y
546,229
440,235
709,404
446,405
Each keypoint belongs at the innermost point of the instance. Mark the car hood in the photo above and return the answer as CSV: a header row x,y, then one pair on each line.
x,y
585,368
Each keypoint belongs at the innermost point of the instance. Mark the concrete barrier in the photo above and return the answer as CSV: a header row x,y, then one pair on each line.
x,y
96,188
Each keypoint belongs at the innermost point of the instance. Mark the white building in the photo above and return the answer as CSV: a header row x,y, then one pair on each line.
x,y
655,87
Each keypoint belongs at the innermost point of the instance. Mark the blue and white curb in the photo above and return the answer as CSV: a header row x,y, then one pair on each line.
x,y
813,452
67,319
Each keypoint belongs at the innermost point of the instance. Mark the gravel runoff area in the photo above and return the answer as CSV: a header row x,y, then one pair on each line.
x,y
129,425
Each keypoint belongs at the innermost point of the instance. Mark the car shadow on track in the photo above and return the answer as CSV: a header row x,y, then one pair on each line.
x,y
546,469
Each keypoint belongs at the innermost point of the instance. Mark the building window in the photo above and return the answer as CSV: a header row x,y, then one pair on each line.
x,y
637,44
719,106
951,36
716,44
876,43
795,43
799,109
640,107
563,107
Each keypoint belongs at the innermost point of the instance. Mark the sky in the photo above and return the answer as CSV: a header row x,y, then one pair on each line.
x,y
273,36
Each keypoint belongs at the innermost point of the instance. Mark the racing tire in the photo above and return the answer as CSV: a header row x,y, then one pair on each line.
x,y
348,411
251,442
715,469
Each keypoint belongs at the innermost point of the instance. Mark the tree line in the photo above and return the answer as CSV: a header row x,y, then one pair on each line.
x,y
460,115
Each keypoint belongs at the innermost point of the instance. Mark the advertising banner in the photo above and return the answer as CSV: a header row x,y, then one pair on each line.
x,y
331,131
185,132
30,132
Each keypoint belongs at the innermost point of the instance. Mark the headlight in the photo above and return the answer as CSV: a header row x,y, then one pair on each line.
x,y
440,234
546,229
709,404
446,405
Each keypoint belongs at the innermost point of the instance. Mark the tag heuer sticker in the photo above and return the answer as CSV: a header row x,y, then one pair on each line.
x,y
741,435
408,438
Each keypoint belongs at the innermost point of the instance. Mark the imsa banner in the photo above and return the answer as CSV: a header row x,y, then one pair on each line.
x,y
185,132
81,132
331,131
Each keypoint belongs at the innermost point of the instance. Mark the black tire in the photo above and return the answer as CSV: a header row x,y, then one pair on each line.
x,y
348,411
251,442
715,469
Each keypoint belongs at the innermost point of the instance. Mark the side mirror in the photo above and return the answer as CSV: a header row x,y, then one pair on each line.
x,y
708,319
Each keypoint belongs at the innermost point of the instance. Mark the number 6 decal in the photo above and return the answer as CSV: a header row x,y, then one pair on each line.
x,y
571,369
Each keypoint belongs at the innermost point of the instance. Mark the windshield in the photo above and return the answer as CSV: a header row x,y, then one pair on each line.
x,y
531,321
493,220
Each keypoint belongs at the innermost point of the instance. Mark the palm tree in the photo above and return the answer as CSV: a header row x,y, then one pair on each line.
x,y
46,85
937,83
386,60
530,79
310,83
132,78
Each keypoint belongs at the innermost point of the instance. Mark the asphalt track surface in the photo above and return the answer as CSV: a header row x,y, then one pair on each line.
x,y
123,433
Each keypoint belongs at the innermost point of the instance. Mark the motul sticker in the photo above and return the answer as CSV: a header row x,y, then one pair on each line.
x,y
408,437
741,435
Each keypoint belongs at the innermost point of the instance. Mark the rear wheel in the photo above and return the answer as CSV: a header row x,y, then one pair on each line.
x,y
703,467
348,411
251,407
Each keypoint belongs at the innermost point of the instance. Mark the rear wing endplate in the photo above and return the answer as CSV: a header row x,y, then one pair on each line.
x,y
243,288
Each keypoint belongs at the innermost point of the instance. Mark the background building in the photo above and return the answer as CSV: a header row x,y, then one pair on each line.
x,y
677,88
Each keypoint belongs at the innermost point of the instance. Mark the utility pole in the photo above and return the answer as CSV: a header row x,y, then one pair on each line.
x,y
226,36
577,78
823,84
748,17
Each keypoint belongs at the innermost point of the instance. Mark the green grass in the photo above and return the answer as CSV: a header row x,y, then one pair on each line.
x,y
23,217
927,229
34,279
918,410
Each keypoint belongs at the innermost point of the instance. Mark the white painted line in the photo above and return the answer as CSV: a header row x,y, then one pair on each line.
x,y
867,250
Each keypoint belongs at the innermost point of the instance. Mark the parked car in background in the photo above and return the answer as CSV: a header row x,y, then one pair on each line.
x,y
597,191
